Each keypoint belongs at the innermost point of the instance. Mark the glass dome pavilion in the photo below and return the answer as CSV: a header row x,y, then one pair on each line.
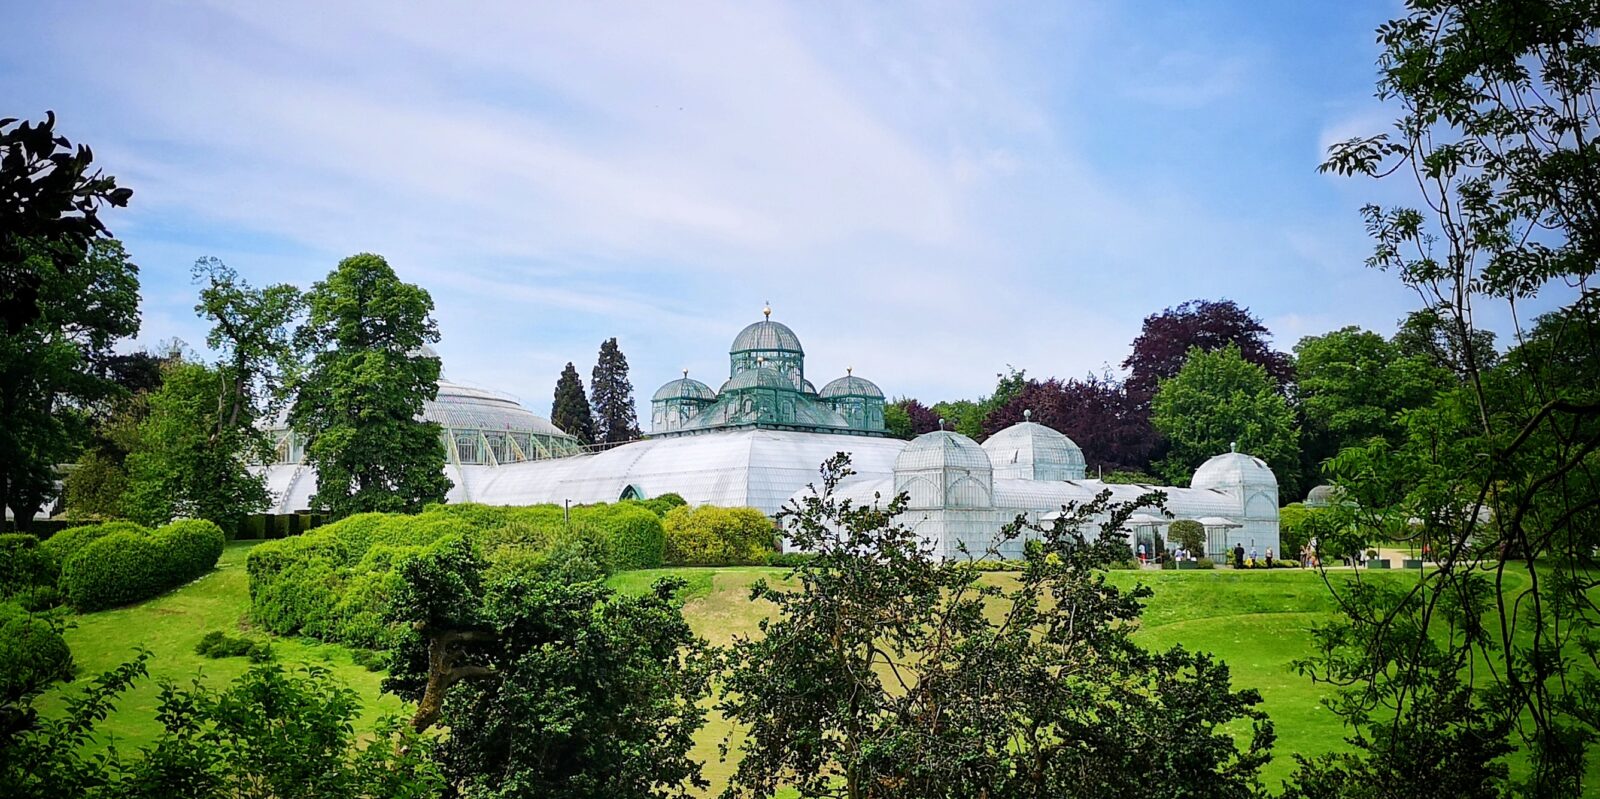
x,y
767,389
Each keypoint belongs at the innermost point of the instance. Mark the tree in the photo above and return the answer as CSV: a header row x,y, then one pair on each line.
x,y
548,687
1167,338
1352,384
48,199
250,331
570,411
1189,534
963,416
887,672
359,403
51,368
907,418
99,479
1425,333
187,462
615,419
1095,412
1219,401
1497,106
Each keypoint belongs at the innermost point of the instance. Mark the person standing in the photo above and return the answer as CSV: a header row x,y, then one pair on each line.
x,y
1238,556
1141,555
1269,557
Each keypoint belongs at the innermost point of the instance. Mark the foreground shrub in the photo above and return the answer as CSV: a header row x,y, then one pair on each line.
x,y
713,536
26,570
32,654
127,566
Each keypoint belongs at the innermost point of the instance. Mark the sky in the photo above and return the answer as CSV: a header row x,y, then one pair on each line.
x,y
925,192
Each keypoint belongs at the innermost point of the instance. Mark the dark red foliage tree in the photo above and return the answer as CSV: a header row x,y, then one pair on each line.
x,y
909,418
1164,342
1095,412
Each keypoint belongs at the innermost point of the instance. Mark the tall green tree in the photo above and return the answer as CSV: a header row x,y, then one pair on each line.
x,y
1352,385
186,461
1218,400
1497,103
251,331
570,411
359,402
52,368
887,672
611,394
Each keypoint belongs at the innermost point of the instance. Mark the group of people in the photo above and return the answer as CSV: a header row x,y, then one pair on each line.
x,y
1239,561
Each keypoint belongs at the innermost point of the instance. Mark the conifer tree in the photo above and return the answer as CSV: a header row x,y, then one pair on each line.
x,y
611,396
571,409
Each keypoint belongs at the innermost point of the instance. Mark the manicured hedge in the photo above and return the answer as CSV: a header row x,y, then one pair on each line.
x,y
131,565
32,653
63,545
335,582
713,536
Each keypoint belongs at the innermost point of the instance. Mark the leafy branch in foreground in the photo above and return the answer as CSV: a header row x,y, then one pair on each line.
x,y
887,672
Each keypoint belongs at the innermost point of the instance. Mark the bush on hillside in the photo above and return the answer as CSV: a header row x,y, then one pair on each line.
x,y
127,566
217,644
63,545
336,582
32,653
789,560
713,536
27,574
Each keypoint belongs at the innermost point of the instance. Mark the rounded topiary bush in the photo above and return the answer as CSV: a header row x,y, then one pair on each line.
x,y
133,565
114,570
1189,534
63,545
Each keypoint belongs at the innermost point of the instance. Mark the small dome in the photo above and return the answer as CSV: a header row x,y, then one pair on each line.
x,y
851,386
1233,470
684,388
759,377
1031,451
766,336
942,449
807,388
1325,495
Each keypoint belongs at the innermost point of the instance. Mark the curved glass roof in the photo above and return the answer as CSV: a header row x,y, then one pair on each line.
x,y
852,386
766,335
759,377
942,449
684,388
461,407
1233,469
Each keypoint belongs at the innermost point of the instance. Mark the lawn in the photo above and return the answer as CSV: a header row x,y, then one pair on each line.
x,y
1256,622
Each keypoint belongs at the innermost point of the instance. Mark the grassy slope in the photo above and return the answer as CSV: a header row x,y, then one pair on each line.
x,y
1254,621
169,627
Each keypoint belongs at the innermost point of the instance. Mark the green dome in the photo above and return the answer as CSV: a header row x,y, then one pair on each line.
x,y
766,336
684,388
759,377
851,386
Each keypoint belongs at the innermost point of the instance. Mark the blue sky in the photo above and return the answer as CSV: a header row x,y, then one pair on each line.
x,y
927,192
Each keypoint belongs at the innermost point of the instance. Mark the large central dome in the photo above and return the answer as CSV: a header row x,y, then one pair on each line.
x,y
766,336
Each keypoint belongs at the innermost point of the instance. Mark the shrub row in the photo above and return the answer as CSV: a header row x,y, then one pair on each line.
x,y
712,536
335,582
130,563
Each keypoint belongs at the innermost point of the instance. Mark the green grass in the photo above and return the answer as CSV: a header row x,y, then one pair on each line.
x,y
169,626
1255,621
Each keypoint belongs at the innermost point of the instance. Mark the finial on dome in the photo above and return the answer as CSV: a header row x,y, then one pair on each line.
x,y
1027,414
766,310
761,360
849,370
686,374
1233,446
941,423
